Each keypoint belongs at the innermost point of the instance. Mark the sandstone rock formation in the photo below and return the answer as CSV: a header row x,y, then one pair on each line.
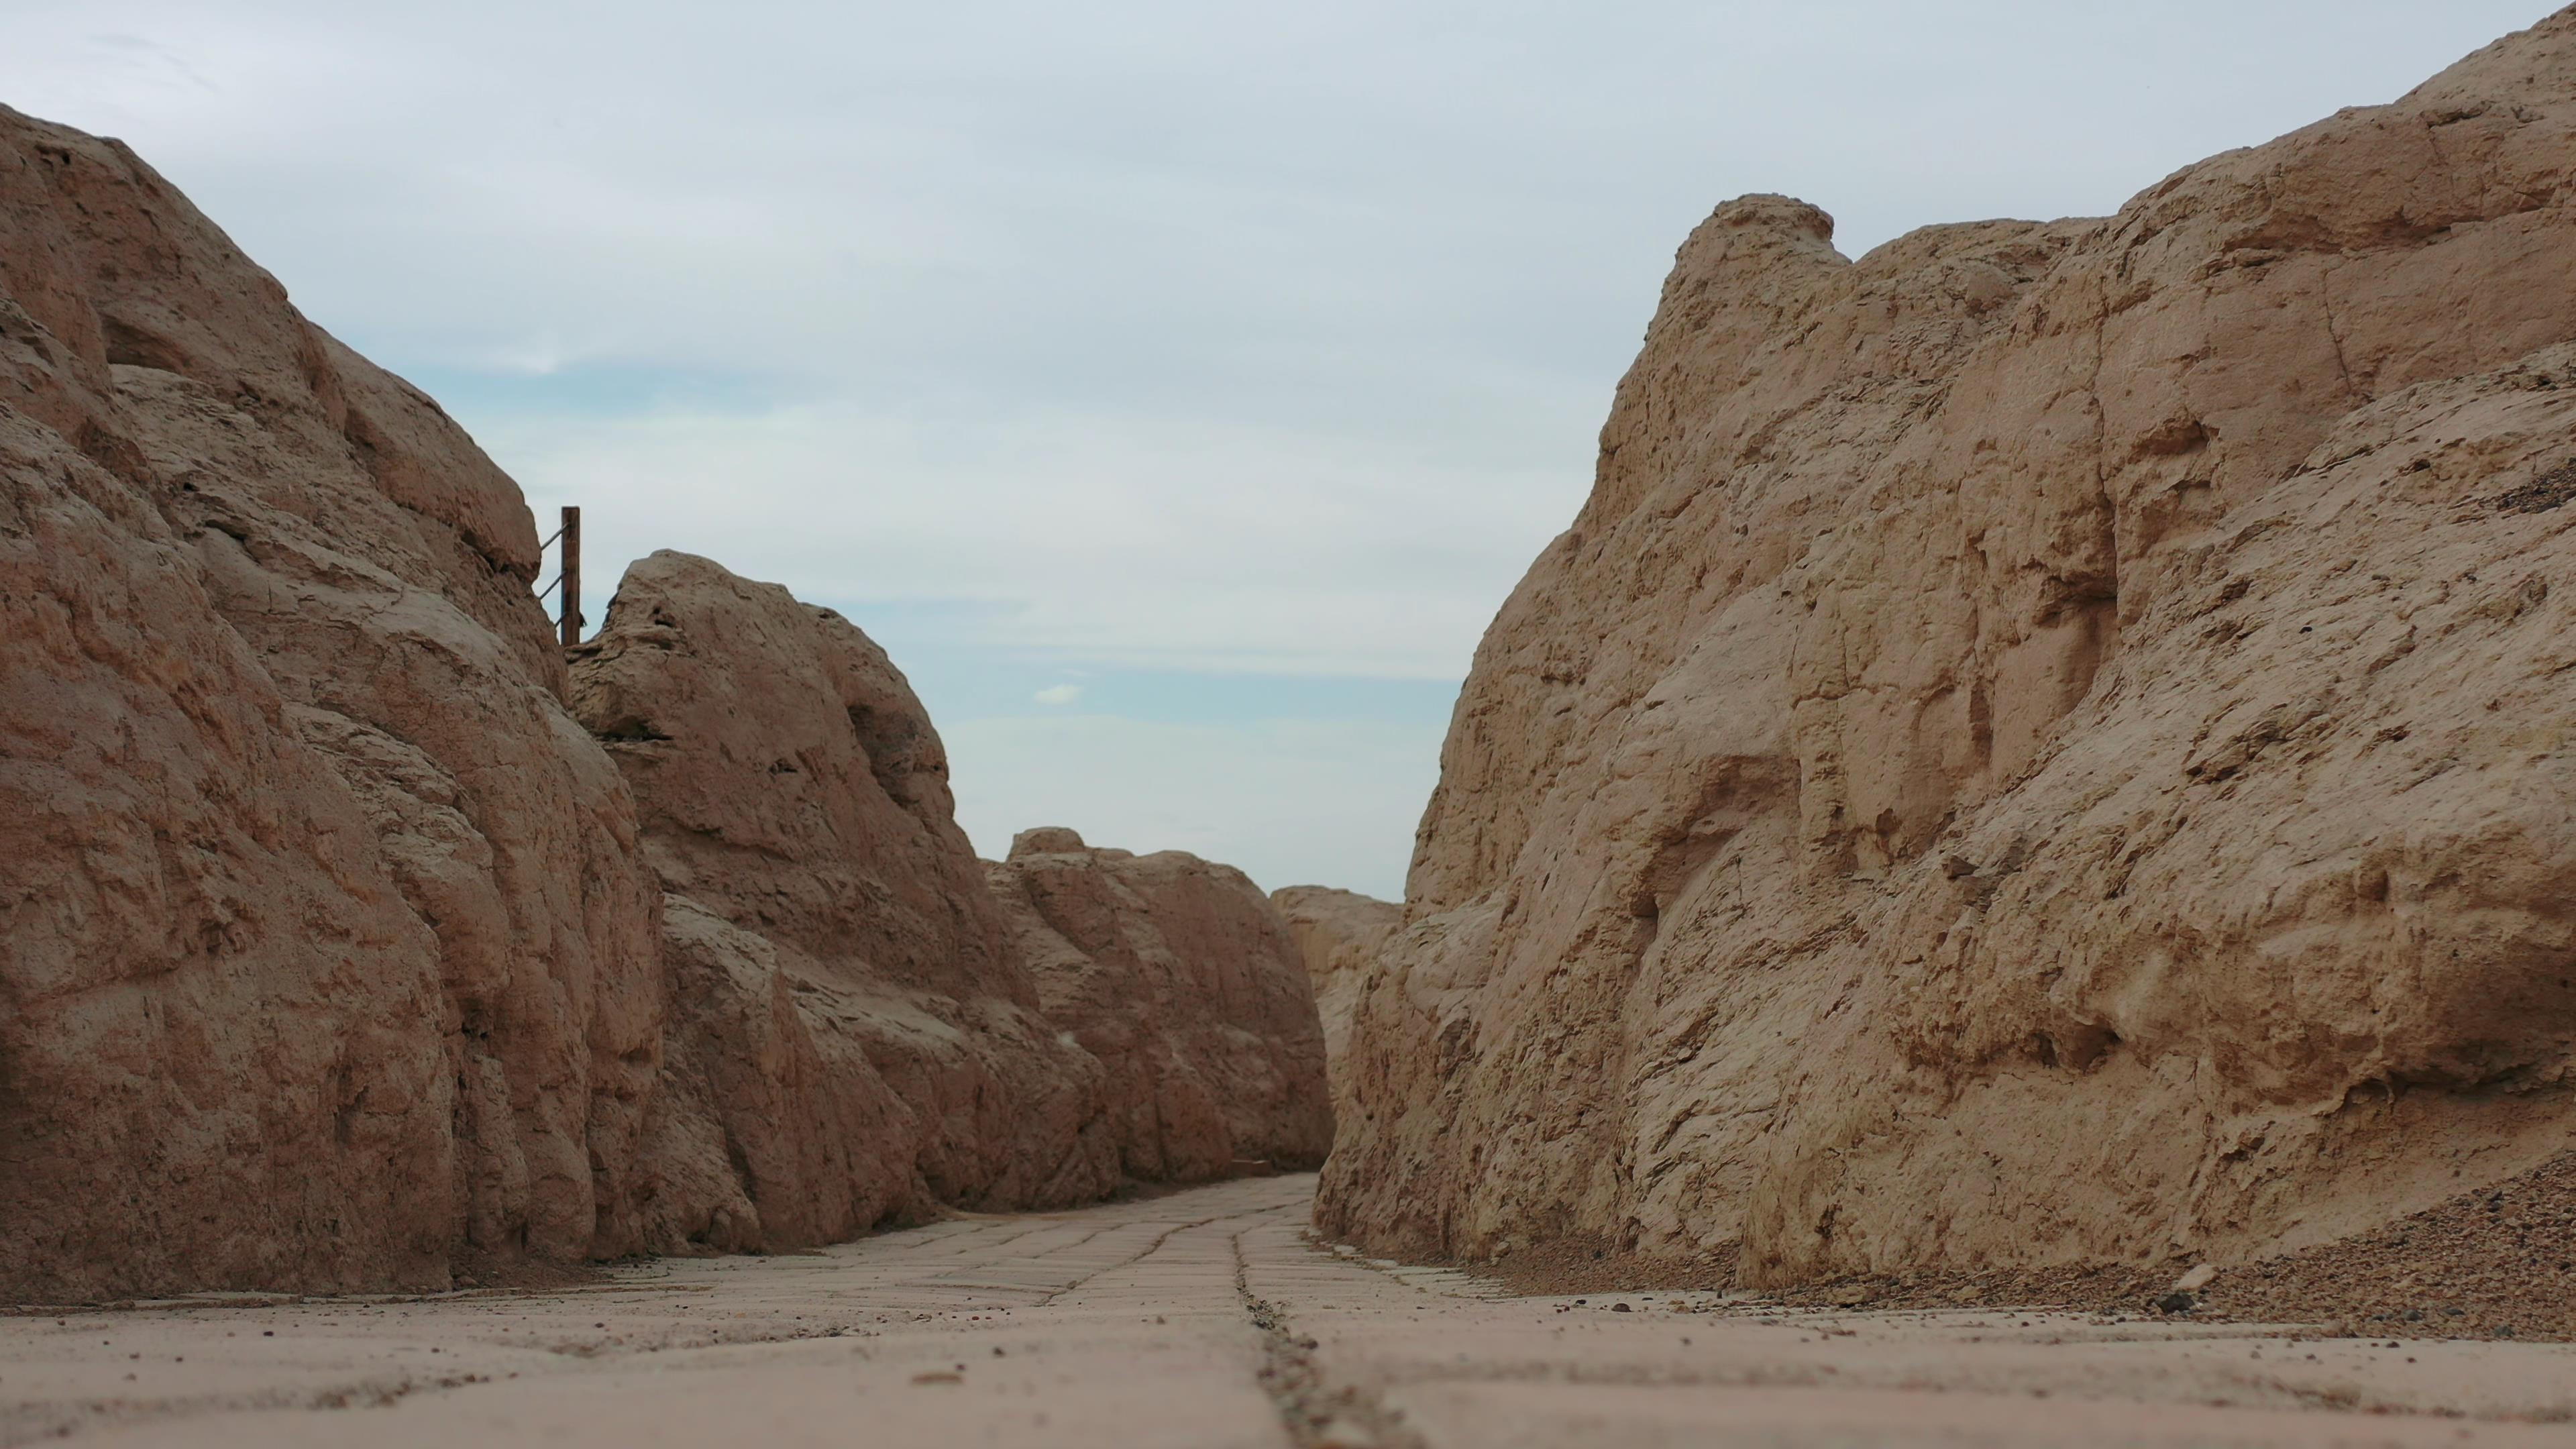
x,y
322,948
855,1037
2045,742
334,951
1338,933
1180,976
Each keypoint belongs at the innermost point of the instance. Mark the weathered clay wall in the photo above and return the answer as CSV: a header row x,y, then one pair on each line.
x,y
1180,976
868,1022
2046,741
1338,934
858,1038
324,950
335,952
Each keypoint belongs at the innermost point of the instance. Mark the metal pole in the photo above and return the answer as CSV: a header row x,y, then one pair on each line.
x,y
571,577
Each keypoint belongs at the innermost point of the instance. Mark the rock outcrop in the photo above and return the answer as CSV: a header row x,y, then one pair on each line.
x,y
337,954
2045,742
323,950
855,1037
1338,933
1182,979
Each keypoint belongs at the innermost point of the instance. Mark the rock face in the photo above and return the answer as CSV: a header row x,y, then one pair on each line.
x,y
856,1038
334,951
323,951
1338,933
1182,979
2045,742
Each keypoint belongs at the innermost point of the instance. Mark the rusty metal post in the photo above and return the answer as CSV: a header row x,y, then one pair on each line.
x,y
572,620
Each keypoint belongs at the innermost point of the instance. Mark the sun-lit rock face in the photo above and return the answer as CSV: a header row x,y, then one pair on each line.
x,y
2046,741
324,952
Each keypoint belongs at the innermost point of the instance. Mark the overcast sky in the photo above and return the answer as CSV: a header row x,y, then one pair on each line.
x,y
1174,389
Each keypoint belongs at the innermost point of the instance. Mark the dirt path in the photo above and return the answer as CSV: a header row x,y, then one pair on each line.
x,y
1204,1320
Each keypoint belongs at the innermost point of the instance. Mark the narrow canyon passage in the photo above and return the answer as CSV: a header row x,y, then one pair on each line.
x,y
1208,1318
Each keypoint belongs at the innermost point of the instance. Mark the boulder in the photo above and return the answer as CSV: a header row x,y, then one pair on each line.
x,y
2046,742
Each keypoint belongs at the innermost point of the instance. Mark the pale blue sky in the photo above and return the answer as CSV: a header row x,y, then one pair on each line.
x,y
1174,389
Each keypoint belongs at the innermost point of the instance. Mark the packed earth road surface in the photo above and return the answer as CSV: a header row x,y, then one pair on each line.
x,y
1200,1320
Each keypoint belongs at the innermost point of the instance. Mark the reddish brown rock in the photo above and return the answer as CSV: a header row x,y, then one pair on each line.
x,y
332,951
1179,975
1338,933
2046,742
323,950
865,1028
854,1037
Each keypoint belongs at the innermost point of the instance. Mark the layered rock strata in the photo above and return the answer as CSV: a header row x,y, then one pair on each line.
x,y
1182,979
1338,933
2047,741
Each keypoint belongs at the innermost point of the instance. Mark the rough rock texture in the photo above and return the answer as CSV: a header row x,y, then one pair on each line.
x,y
1180,976
1338,933
332,953
323,950
2047,742
854,1036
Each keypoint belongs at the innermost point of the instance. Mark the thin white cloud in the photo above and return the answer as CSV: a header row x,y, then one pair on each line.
x,y
1171,543
1058,694
1163,335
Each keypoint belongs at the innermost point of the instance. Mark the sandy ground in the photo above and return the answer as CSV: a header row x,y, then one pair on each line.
x,y
1207,1319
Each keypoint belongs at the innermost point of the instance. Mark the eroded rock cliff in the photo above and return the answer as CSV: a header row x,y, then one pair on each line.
x,y
323,952
2045,742
1181,978
1338,934
856,1036
337,954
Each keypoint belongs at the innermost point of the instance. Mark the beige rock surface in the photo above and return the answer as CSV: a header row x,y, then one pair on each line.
x,y
1181,978
1338,933
1202,1319
2046,742
323,951
855,1037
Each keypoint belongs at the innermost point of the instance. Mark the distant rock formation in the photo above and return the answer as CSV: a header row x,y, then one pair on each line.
x,y
333,950
1338,933
1179,976
854,1035
2046,742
